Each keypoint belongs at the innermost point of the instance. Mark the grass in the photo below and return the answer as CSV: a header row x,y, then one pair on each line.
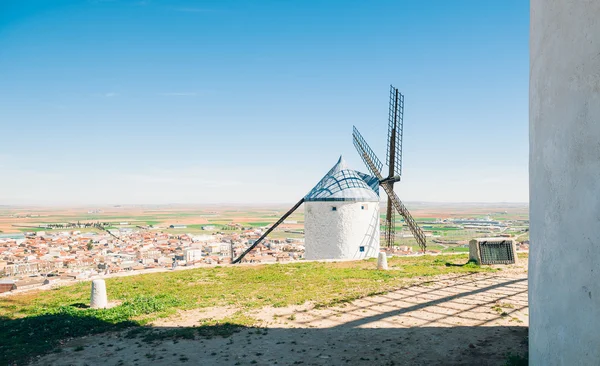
x,y
199,226
258,224
455,249
32,229
516,360
57,314
499,308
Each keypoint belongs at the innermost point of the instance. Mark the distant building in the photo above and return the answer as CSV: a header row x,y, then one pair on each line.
x,y
202,238
7,285
192,254
213,248
178,226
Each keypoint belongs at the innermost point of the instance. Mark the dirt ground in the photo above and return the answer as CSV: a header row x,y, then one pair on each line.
x,y
468,319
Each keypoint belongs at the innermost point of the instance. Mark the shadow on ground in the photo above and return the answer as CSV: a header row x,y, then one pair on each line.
x,y
21,339
461,320
277,346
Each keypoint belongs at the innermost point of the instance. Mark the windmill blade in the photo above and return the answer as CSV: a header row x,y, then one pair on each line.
x,y
390,224
365,152
291,211
367,155
410,222
395,130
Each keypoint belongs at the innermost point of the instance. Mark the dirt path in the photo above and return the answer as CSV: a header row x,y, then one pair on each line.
x,y
473,319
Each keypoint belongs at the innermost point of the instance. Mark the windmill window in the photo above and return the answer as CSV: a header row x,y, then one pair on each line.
x,y
362,249
333,208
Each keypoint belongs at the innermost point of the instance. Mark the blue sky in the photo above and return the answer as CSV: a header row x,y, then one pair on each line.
x,y
154,101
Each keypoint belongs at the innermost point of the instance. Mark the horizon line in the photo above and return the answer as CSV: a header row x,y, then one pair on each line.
x,y
239,203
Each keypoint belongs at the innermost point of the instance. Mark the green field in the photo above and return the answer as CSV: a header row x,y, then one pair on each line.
x,y
62,313
443,228
31,229
258,224
246,216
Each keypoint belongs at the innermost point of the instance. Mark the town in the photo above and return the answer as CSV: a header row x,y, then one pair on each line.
x,y
50,256
55,253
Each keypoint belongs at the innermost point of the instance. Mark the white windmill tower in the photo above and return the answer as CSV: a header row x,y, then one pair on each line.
x,y
341,215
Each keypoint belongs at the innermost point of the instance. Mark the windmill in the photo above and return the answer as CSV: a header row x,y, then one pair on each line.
x,y
341,216
394,162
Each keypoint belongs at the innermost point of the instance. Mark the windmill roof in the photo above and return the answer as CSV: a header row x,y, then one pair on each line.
x,y
344,184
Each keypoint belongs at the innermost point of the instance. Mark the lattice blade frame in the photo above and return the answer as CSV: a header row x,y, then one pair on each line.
x,y
363,151
390,224
393,156
373,163
410,222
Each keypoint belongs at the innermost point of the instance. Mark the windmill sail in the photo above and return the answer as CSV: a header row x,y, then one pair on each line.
x,y
390,224
373,163
410,222
395,163
395,131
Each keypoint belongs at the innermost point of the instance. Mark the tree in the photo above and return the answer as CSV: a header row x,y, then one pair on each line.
x,y
90,245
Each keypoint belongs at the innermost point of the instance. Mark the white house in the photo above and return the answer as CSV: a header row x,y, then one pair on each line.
x,y
192,254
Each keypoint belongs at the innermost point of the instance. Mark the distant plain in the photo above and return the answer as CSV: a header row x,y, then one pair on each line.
x,y
219,218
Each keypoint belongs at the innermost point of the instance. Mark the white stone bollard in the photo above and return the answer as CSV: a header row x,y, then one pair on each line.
x,y
382,261
99,299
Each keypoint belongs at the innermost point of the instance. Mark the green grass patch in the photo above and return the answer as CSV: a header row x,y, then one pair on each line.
x,y
444,228
193,226
258,224
33,229
61,313
455,250
516,360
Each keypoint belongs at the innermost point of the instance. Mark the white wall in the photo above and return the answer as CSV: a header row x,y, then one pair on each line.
x,y
192,255
564,263
340,234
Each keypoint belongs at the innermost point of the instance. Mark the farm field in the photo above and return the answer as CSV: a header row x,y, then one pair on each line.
x,y
220,218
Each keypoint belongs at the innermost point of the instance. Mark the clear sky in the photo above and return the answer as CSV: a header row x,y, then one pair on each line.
x,y
153,101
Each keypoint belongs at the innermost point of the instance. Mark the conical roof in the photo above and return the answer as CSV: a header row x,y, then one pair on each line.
x,y
344,184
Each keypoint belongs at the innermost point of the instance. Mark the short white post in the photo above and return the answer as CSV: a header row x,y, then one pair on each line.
x,y
382,261
99,299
